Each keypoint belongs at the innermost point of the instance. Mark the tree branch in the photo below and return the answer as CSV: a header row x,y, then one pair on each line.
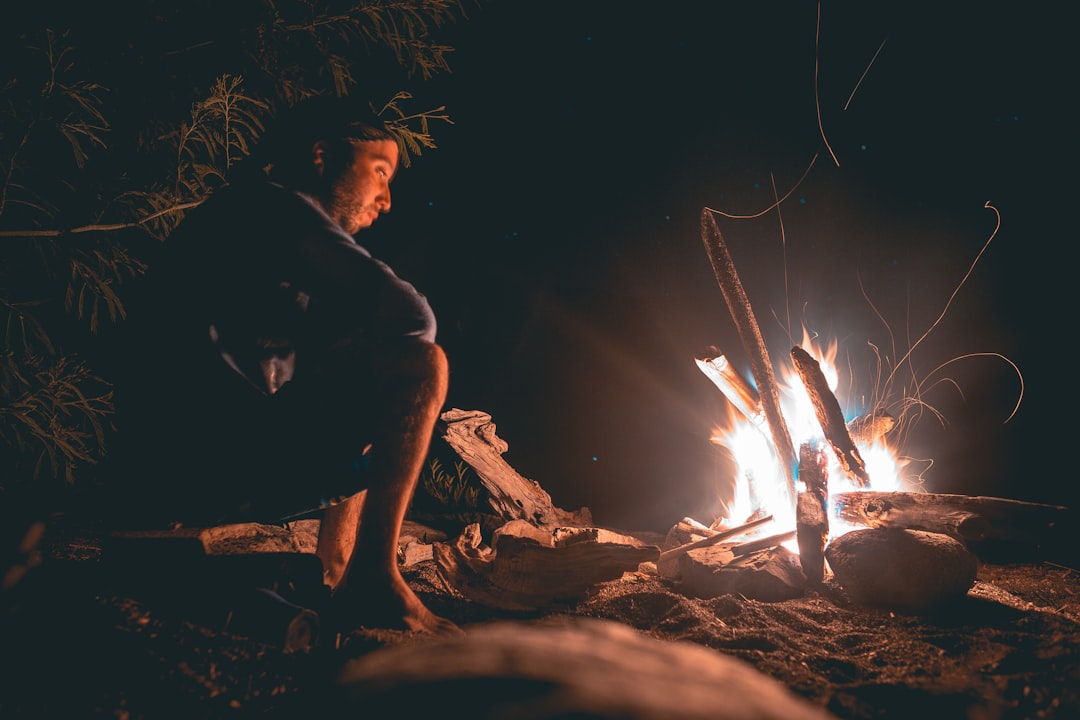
x,y
99,228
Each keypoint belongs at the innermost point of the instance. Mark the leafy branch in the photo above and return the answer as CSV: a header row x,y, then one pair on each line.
x,y
51,418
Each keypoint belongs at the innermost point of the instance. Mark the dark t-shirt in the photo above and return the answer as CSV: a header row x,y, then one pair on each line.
x,y
257,266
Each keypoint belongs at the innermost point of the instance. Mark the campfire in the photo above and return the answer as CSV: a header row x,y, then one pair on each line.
x,y
816,498
831,489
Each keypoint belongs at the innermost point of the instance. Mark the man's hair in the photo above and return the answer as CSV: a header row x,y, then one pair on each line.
x,y
286,146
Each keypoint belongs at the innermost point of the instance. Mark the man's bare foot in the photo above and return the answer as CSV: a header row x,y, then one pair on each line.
x,y
386,603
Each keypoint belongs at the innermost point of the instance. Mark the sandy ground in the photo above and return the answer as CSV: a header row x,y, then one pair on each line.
x,y
76,643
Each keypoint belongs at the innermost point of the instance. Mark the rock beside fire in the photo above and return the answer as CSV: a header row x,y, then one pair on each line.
x,y
769,575
904,570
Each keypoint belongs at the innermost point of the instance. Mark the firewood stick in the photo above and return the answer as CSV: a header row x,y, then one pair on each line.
x,y
762,544
735,388
811,511
829,416
712,539
750,334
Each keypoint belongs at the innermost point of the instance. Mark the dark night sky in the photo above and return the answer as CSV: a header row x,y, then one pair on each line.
x,y
557,232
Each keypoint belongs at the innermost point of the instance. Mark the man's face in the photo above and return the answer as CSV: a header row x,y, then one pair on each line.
x,y
362,191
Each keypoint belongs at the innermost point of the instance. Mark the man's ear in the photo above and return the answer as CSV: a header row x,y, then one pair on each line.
x,y
318,156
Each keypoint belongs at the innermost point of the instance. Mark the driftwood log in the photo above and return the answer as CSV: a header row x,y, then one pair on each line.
x,y
750,335
812,511
829,416
988,526
471,434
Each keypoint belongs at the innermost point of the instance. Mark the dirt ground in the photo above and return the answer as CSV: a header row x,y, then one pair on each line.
x,y
78,644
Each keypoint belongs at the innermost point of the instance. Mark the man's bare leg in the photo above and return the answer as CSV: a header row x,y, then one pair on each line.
x,y
373,591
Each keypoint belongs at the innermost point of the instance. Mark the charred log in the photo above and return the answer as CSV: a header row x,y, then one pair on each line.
x,y
829,416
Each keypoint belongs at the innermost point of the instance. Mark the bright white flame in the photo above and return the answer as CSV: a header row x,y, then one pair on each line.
x,y
760,484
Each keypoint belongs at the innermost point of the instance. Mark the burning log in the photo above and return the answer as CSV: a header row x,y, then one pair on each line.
x,y
811,511
867,429
827,410
750,335
735,389
986,525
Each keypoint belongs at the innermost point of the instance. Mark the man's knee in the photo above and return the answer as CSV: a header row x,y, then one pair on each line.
x,y
415,363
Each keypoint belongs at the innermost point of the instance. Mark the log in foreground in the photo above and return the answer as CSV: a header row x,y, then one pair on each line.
x,y
986,525
829,416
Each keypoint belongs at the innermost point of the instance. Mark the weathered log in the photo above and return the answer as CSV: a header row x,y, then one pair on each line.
x,y
528,568
472,436
750,334
986,525
811,511
829,416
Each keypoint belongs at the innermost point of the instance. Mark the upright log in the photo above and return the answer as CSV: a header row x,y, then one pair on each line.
x,y
811,511
750,335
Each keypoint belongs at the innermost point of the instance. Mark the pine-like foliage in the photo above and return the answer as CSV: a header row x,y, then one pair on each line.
x,y
114,121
